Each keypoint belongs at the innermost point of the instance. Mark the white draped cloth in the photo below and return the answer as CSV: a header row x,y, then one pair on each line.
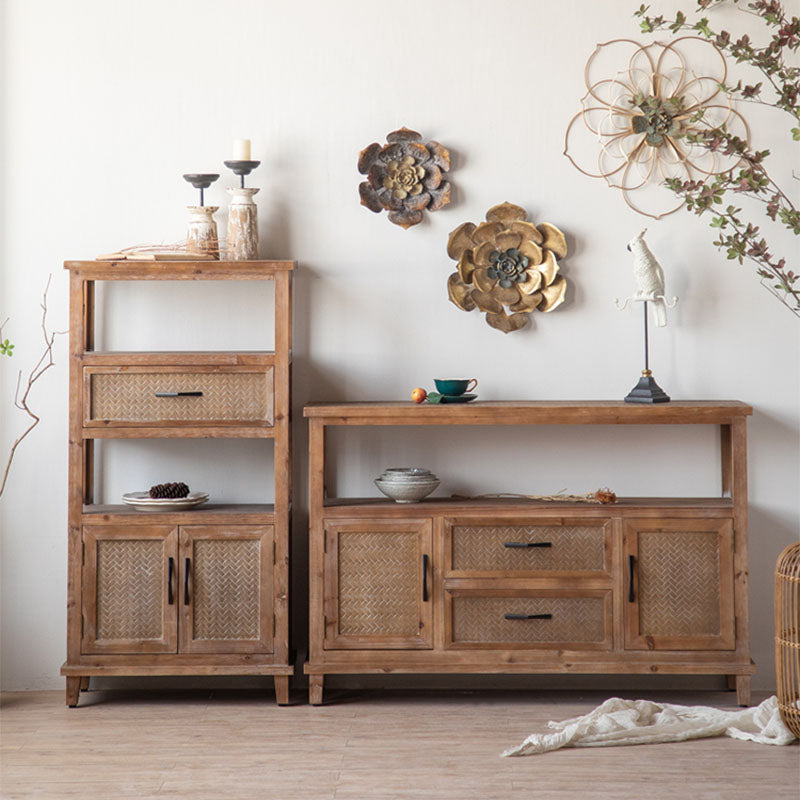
x,y
618,722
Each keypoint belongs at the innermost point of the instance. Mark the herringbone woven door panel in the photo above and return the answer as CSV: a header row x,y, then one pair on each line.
x,y
682,586
380,592
131,397
226,590
226,593
126,592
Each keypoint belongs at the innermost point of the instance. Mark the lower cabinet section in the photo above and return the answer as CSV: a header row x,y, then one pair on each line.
x,y
600,590
679,584
378,587
187,589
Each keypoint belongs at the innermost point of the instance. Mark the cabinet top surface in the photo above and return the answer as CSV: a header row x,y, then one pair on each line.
x,y
528,412
177,270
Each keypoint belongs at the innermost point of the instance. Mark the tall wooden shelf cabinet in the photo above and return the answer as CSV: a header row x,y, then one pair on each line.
x,y
646,585
199,592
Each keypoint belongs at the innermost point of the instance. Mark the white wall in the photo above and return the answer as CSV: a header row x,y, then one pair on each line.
x,y
107,104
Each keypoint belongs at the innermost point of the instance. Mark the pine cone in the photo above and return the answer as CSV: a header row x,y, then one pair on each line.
x,y
169,490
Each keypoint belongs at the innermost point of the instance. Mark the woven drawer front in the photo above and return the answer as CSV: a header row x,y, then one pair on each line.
x,y
574,619
130,581
679,583
481,548
379,585
227,583
131,396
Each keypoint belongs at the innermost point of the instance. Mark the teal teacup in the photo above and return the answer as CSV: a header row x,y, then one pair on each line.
x,y
455,386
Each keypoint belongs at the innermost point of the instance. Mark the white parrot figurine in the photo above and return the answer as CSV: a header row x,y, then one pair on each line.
x,y
649,280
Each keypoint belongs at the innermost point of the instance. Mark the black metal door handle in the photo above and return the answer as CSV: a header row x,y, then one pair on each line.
x,y
631,595
187,567
527,544
179,394
424,577
170,572
528,616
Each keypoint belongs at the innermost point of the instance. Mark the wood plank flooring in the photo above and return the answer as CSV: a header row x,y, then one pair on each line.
x,y
363,745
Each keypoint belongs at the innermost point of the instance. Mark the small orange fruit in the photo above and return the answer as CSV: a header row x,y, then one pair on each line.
x,y
419,395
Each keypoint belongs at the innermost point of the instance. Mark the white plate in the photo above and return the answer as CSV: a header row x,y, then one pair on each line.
x,y
143,502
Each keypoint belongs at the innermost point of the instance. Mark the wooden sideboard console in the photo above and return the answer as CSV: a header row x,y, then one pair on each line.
x,y
646,585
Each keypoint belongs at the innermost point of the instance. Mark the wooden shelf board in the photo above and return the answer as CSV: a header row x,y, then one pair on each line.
x,y
168,358
585,662
256,664
177,270
212,514
235,431
342,507
530,412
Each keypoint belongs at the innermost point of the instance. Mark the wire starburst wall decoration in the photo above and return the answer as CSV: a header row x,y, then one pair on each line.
x,y
649,120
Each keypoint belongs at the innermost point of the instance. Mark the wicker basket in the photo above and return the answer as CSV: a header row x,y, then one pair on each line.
x,y
787,635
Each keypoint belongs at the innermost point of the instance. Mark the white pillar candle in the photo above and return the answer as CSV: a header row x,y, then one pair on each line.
x,y
241,149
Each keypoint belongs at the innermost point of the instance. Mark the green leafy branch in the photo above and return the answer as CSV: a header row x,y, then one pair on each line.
x,y
749,177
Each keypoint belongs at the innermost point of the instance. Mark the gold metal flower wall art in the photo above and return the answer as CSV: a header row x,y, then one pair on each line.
x,y
507,267
404,177
645,124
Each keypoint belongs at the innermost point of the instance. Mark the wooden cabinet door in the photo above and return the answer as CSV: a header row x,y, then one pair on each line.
x,y
129,585
378,585
225,592
678,584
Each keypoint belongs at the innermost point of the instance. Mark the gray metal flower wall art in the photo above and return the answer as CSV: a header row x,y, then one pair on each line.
x,y
404,177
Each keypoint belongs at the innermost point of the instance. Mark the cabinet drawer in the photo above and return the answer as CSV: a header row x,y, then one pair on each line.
x,y
526,547
152,395
531,619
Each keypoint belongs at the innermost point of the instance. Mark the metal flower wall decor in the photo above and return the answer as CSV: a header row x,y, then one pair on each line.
x,y
507,267
644,124
404,177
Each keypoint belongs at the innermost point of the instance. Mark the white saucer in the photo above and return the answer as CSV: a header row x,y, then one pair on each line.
x,y
143,502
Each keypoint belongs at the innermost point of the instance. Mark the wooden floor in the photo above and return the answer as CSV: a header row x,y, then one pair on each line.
x,y
366,745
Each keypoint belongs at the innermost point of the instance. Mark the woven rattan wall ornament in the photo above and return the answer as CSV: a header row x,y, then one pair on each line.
x,y
507,267
787,635
404,177
647,123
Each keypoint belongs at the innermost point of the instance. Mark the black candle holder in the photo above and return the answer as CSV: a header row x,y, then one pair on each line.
x,y
201,180
241,168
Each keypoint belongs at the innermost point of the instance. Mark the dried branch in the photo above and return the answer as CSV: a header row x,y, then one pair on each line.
x,y
21,400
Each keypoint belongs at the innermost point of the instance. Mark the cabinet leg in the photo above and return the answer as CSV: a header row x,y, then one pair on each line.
x,y
731,682
743,690
85,683
282,690
315,684
73,691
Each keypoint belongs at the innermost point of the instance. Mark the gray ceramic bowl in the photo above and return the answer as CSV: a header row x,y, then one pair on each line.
x,y
406,492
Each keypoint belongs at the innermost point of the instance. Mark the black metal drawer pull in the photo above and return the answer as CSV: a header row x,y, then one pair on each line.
x,y
528,616
631,595
424,577
170,571
179,394
187,567
527,544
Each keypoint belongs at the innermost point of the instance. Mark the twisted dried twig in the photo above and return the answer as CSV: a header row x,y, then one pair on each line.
x,y
42,365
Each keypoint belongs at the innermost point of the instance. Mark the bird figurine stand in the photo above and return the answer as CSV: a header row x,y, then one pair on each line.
x,y
650,290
